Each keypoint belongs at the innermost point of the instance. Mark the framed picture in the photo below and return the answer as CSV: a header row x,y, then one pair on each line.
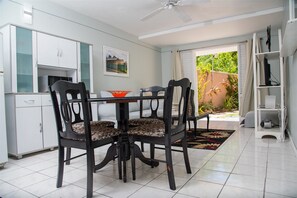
x,y
115,62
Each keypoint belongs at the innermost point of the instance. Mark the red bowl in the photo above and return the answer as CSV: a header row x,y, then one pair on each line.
x,y
119,93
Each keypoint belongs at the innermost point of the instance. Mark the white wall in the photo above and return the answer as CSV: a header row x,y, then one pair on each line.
x,y
145,60
292,96
167,69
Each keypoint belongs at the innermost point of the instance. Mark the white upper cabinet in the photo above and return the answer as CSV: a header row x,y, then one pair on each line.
x,y
56,52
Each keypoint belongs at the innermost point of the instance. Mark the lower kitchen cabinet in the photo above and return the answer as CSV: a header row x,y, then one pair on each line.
x,y
28,130
49,128
30,123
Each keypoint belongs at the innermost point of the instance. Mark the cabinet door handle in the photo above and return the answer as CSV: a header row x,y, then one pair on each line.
x,y
58,52
29,101
40,125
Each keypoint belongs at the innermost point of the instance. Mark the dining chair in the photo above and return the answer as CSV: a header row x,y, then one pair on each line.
x,y
74,128
191,115
154,105
166,132
68,150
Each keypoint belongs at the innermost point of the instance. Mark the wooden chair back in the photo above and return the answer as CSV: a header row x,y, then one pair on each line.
x,y
67,112
183,87
155,103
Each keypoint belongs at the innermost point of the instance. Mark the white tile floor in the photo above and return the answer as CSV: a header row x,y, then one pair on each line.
x,y
242,167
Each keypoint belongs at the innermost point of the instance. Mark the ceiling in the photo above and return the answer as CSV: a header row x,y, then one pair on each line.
x,y
210,19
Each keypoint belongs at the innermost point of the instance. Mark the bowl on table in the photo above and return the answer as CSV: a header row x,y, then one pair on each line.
x,y
119,93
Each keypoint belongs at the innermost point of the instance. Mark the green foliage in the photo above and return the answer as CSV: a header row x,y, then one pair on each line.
x,y
231,99
223,62
206,107
202,83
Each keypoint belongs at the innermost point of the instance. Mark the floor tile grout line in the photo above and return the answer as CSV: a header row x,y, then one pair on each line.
x,y
265,181
235,164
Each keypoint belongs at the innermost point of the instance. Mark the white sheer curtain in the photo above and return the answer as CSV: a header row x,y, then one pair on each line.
x,y
247,102
177,72
185,67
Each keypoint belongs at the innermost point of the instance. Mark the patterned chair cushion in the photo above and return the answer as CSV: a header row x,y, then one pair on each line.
x,y
141,121
100,129
147,127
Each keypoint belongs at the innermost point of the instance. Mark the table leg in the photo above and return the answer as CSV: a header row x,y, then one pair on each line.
x,y
110,154
122,114
141,157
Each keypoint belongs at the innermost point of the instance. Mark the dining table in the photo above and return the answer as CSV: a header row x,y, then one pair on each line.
x,y
122,116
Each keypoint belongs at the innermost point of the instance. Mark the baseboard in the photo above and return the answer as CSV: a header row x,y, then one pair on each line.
x,y
291,141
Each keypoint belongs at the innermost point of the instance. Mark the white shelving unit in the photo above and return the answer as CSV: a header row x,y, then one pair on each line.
x,y
260,90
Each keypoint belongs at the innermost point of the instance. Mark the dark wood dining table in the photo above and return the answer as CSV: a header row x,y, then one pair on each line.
x,y
122,116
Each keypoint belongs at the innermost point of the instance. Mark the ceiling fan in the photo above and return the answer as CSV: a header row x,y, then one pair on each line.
x,y
170,5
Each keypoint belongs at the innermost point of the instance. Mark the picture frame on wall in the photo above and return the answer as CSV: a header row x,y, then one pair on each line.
x,y
115,62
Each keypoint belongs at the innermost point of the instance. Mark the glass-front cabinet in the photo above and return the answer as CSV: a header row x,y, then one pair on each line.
x,y
24,60
86,65
20,69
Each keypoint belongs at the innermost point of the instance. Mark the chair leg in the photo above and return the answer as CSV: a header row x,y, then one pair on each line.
x,y
68,155
119,158
90,167
170,167
189,123
132,157
124,160
207,126
60,166
152,153
195,127
186,156
142,146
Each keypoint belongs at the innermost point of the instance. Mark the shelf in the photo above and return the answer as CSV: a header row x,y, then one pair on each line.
x,y
290,39
266,87
264,109
269,55
271,130
276,132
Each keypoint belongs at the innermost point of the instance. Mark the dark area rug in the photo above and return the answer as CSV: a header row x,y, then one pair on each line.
x,y
211,139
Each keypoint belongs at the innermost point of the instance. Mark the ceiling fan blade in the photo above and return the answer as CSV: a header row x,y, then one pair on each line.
x,y
151,14
193,2
182,15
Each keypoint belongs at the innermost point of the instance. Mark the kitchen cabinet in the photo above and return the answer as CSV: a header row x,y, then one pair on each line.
x,y
30,123
49,128
55,51
85,68
19,59
29,129
28,54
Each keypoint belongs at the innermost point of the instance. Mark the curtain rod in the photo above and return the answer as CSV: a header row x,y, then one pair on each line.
x,y
208,47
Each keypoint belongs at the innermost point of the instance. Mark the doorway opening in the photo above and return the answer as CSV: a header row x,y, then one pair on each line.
x,y
217,74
